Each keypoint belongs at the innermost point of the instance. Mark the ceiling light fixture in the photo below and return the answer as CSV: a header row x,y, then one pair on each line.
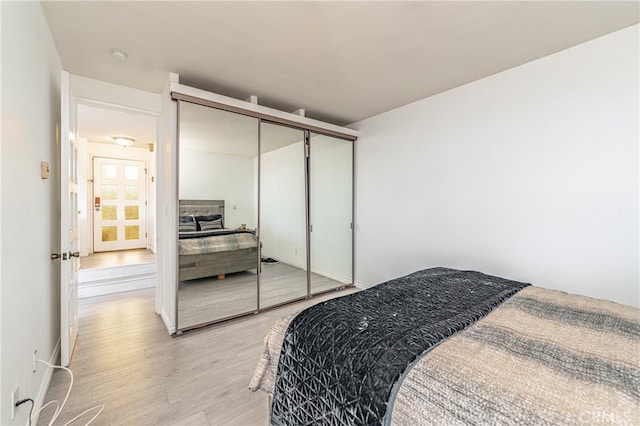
x,y
120,55
124,141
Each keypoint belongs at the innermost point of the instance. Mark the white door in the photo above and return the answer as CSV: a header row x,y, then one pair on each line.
x,y
69,251
120,204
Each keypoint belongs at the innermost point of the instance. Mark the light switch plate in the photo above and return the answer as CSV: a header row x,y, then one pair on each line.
x,y
44,170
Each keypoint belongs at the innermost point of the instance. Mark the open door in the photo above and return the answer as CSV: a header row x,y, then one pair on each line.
x,y
69,250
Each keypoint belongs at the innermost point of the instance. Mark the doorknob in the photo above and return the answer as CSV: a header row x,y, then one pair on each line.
x,y
70,255
55,256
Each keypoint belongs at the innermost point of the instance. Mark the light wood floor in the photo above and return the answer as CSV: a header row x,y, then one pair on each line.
x,y
125,359
110,259
210,299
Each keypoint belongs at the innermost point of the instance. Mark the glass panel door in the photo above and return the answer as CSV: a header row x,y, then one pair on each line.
x,y
119,219
283,236
330,212
218,248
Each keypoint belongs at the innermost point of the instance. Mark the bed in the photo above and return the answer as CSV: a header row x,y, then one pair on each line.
x,y
445,346
206,248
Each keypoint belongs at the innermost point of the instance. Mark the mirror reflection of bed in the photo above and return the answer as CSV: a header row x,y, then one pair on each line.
x,y
217,264
255,173
218,267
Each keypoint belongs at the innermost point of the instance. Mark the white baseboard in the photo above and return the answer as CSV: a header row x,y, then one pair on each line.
x,y
293,262
46,381
285,259
362,286
171,328
332,276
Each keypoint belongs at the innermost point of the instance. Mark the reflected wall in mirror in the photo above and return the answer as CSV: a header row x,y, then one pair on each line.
x,y
217,188
283,224
330,212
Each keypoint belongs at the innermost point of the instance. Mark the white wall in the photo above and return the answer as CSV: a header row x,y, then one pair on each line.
x,y
210,176
206,175
283,220
331,207
30,212
167,210
531,174
109,95
283,213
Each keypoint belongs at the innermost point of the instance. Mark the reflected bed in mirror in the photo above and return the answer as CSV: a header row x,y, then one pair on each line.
x,y
217,265
206,248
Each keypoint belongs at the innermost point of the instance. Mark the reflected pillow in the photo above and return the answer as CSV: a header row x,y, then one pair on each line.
x,y
187,223
207,223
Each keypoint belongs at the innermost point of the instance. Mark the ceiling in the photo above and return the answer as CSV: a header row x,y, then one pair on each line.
x,y
102,125
340,61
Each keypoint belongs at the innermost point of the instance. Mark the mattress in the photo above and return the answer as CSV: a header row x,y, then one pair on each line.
x,y
531,356
208,242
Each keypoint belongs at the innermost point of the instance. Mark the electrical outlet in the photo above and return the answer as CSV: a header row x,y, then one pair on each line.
x,y
35,352
14,398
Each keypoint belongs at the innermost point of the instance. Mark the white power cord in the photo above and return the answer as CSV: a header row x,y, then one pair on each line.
x,y
101,407
61,406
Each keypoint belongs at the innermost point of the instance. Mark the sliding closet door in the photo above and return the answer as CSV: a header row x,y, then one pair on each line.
x,y
330,212
218,163
283,236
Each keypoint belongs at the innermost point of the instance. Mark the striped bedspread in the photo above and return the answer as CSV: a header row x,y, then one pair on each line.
x,y
541,357
218,243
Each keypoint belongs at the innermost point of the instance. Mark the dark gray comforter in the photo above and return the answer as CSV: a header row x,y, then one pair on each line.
x,y
341,358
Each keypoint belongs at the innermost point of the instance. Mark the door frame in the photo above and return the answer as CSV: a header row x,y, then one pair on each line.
x,y
91,194
86,174
69,238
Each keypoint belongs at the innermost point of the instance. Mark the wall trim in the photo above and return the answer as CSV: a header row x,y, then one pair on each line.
x,y
362,286
44,385
171,328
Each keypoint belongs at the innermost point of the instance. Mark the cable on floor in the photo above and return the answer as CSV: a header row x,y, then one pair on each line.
x,y
61,406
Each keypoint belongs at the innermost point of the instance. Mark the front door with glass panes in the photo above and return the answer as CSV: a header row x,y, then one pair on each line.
x,y
120,198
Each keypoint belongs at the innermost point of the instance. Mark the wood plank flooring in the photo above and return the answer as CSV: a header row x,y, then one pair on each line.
x,y
110,259
210,299
126,360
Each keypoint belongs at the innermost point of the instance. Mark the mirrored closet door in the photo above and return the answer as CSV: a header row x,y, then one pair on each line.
x,y
217,209
330,212
265,212
283,216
